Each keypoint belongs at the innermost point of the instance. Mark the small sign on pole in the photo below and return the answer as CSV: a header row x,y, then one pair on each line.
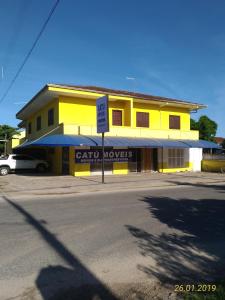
x,y
102,115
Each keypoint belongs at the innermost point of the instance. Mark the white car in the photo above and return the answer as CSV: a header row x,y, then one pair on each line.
x,y
21,162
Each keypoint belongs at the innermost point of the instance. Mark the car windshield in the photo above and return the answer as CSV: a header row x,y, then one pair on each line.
x,y
4,156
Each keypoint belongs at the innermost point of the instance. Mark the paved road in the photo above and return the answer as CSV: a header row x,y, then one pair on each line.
x,y
117,244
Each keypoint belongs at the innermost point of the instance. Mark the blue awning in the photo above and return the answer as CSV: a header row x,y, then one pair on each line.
x,y
111,141
138,142
201,144
64,140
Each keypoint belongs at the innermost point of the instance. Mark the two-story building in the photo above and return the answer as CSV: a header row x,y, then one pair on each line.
x,y
147,133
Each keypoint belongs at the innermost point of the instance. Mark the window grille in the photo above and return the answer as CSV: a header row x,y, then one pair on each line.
x,y
176,158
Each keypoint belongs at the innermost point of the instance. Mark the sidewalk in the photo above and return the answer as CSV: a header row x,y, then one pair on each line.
x,y
35,186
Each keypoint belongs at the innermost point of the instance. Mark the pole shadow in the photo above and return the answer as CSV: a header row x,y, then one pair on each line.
x,y
59,282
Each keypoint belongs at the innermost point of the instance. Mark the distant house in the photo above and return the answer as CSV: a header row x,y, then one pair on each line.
x,y
219,140
15,141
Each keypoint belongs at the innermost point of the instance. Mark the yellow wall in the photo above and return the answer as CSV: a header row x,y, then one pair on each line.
x,y
16,140
44,121
82,170
184,117
77,169
80,111
56,161
159,117
173,170
77,111
213,165
132,132
154,114
83,111
120,168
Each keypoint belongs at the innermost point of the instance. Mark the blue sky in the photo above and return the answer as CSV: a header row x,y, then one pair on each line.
x,y
172,48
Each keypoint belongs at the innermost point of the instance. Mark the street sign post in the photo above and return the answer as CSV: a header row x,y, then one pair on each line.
x,y
102,116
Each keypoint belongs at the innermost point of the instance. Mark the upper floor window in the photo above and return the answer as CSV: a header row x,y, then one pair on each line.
x,y
117,117
50,116
174,122
38,124
142,119
29,128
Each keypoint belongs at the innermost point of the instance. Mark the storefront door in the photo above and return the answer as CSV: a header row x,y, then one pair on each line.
x,y
155,159
65,160
96,168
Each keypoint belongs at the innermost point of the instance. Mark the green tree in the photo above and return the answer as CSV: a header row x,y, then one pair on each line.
x,y
7,132
194,124
207,128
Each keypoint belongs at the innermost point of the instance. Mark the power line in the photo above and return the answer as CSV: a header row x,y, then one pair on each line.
x,y
30,51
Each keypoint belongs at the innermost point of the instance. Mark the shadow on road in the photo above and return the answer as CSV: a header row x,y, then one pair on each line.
x,y
194,250
58,282
218,187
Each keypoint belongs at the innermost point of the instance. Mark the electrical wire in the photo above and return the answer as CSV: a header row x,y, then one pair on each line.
x,y
30,51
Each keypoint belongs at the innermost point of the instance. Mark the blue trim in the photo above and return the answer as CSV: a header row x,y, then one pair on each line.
x,y
64,140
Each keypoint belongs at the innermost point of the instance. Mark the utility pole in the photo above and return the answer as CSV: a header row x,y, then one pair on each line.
x,y
5,144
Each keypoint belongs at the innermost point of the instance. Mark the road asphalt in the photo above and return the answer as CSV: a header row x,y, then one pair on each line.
x,y
120,245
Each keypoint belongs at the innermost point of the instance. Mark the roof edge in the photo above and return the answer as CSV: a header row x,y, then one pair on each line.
x,y
122,93
109,91
32,100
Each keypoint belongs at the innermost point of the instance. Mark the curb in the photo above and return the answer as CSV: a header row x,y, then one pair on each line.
x,y
27,197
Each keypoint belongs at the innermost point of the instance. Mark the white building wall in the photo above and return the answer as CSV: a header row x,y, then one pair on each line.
x,y
196,158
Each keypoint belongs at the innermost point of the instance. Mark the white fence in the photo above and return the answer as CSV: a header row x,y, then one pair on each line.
x,y
207,156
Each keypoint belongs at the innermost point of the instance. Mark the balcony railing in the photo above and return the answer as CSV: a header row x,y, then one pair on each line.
x,y
133,132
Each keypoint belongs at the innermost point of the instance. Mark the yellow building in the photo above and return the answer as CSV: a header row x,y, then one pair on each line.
x,y
15,141
147,133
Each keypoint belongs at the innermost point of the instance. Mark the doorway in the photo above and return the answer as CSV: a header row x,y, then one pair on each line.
x,y
65,161
154,159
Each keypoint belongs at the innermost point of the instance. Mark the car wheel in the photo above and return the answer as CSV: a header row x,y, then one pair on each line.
x,y
41,168
4,171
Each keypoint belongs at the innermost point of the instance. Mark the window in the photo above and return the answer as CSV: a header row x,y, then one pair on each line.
x,y
51,117
174,122
142,119
22,157
29,128
176,158
38,123
117,117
